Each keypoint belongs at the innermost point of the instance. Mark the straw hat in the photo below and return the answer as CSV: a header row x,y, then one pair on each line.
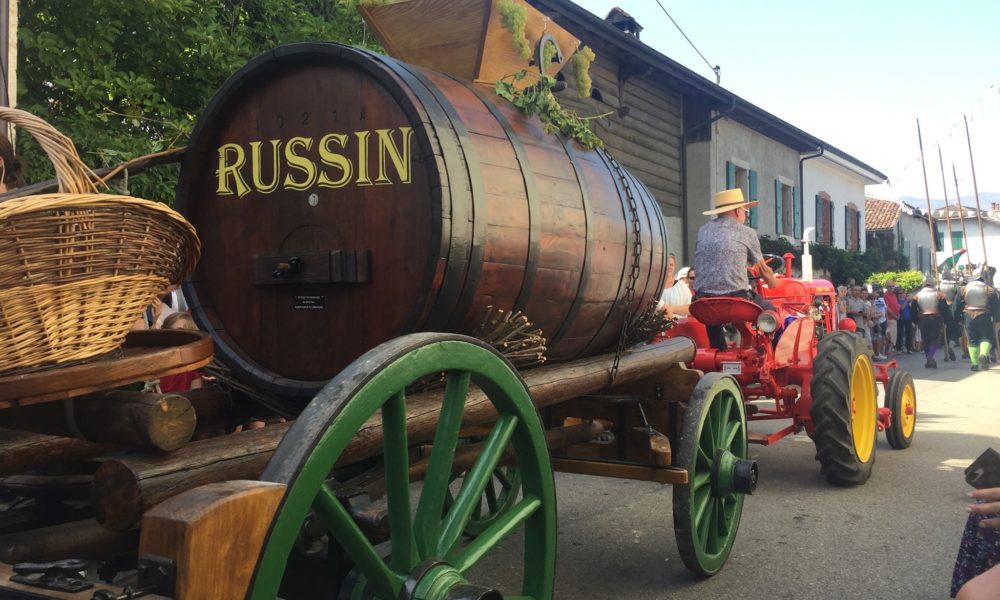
x,y
728,200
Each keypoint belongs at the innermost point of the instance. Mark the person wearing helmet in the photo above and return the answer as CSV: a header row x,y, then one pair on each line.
x,y
951,322
979,303
928,301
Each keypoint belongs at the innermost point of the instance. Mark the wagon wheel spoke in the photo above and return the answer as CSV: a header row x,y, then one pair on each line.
x,y
495,533
354,543
729,435
491,499
470,495
427,520
396,462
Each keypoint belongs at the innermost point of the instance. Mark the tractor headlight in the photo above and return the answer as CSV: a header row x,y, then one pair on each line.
x,y
767,321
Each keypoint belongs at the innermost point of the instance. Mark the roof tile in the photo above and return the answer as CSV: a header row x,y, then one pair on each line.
x,y
880,214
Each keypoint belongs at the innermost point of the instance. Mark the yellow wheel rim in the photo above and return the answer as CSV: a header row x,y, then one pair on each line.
x,y
863,407
908,411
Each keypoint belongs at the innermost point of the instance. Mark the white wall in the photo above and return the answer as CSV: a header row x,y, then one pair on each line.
x,y
991,231
843,187
751,150
914,232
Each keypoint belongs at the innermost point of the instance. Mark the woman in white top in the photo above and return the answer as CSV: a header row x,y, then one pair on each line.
x,y
676,298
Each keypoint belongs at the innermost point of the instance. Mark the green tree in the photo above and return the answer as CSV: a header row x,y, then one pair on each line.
x,y
124,78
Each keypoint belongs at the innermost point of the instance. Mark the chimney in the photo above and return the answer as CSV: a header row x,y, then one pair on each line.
x,y
624,21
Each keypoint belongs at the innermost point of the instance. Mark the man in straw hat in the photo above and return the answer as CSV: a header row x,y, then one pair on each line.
x,y
725,248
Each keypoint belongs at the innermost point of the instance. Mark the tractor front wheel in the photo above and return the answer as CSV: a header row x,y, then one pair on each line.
x,y
901,399
843,408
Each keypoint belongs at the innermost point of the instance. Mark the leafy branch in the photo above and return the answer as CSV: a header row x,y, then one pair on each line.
x,y
538,100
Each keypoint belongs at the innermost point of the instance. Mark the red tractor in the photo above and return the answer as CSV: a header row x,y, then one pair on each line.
x,y
802,363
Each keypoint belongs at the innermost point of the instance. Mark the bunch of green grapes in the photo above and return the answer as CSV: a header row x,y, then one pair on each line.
x,y
512,17
581,70
548,52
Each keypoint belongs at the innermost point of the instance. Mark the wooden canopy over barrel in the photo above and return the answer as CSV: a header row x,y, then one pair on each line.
x,y
344,198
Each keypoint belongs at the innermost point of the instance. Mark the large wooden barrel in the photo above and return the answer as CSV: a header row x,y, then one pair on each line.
x,y
344,198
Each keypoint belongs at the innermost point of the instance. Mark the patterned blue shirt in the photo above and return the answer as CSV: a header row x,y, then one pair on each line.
x,y
725,248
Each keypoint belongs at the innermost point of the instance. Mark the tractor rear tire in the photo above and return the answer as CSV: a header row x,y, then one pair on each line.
x,y
844,410
901,399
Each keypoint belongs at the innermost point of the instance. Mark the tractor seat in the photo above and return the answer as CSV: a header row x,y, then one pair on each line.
x,y
723,309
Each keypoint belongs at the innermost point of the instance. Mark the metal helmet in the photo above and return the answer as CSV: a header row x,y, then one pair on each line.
x,y
929,280
983,273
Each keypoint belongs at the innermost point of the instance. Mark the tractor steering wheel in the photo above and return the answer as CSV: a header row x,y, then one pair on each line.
x,y
774,261
777,263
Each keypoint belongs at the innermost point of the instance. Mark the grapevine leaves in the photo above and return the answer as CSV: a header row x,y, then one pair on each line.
x,y
538,100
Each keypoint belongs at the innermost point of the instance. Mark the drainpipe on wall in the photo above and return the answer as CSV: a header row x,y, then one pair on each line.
x,y
802,186
684,179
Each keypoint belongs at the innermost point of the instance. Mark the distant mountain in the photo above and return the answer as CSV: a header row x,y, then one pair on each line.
x,y
985,200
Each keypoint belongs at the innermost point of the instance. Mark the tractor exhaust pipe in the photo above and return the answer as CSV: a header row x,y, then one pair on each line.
x,y
807,259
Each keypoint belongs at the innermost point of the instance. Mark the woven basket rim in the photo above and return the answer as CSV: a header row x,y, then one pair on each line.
x,y
73,175
40,203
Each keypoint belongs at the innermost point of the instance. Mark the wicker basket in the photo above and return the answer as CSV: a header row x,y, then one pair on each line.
x,y
77,268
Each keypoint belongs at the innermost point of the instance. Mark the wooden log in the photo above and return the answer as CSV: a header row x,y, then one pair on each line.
x,y
41,513
125,488
162,422
76,539
21,451
213,410
58,487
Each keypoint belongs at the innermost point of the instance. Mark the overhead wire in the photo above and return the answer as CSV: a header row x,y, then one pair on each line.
x,y
715,69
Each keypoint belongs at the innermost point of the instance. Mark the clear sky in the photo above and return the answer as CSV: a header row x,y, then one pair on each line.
x,y
856,74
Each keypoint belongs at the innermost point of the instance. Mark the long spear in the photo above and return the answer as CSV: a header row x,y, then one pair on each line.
x,y
947,210
961,211
930,221
975,188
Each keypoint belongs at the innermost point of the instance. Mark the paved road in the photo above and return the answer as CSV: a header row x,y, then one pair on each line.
x,y
894,537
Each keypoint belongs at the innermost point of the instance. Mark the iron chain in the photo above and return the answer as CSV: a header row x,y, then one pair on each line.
x,y
633,275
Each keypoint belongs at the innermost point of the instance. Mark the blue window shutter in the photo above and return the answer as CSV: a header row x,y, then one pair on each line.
x,y
753,196
796,214
730,175
777,207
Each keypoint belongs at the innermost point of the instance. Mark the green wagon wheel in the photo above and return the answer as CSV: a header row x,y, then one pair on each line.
x,y
498,497
427,560
713,449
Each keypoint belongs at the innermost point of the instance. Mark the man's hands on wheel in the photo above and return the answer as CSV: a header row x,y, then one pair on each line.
x,y
762,269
